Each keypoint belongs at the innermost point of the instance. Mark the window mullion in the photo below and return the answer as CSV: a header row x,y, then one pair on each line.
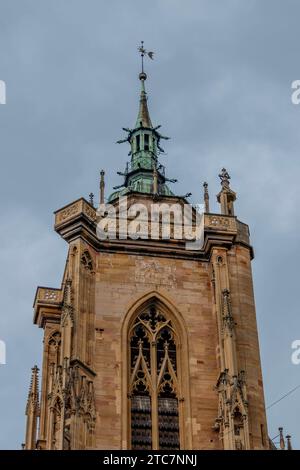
x,y
154,400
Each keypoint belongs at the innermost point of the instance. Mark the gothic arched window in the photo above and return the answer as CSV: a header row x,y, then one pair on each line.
x,y
153,382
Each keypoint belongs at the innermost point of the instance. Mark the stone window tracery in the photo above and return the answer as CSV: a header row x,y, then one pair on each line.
x,y
154,382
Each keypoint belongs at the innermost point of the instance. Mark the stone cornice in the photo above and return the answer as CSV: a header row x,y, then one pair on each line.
x,y
78,220
47,305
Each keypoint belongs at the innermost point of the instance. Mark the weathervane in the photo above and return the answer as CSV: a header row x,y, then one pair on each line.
x,y
144,53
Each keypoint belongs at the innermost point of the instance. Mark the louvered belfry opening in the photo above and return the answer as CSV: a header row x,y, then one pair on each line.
x,y
154,382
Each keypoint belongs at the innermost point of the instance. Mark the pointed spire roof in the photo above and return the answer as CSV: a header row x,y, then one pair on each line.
x,y
144,173
33,394
143,119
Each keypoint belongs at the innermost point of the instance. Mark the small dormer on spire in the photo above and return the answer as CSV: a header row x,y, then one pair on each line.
x,y
226,196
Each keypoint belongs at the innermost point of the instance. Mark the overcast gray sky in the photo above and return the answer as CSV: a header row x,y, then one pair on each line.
x,y
220,85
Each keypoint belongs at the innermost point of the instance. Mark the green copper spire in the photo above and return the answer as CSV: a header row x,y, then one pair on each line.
x,y
144,173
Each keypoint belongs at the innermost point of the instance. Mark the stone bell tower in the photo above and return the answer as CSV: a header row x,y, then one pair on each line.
x,y
148,344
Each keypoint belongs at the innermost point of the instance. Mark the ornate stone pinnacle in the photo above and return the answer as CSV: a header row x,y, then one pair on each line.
x,y
289,443
206,197
102,186
281,439
33,394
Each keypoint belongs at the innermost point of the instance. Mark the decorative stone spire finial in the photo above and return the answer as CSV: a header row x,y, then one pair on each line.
x,y
91,199
206,197
33,394
289,443
102,186
32,409
281,439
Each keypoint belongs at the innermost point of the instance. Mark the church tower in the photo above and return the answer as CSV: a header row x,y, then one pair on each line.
x,y
149,343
